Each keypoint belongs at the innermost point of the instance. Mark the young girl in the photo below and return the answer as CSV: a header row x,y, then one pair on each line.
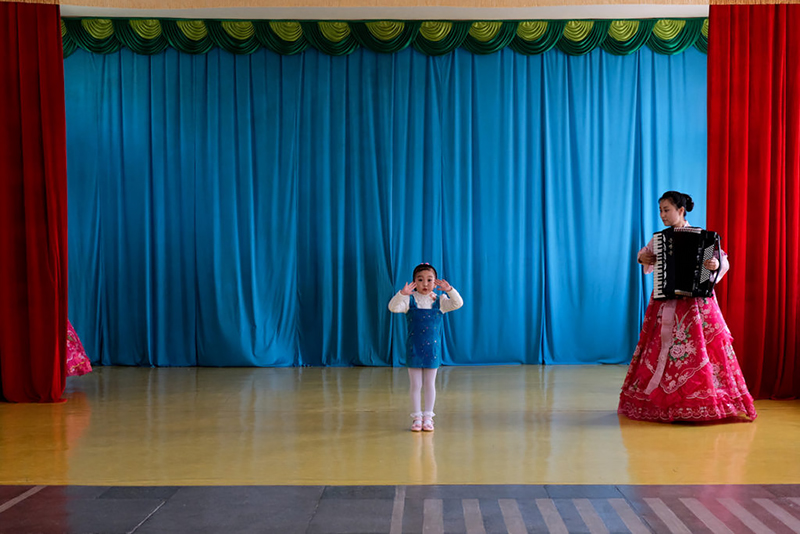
x,y
684,367
424,315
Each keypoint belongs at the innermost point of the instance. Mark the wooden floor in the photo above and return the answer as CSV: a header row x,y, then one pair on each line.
x,y
327,451
348,426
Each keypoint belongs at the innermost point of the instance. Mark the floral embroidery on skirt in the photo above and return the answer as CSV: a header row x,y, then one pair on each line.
x,y
684,366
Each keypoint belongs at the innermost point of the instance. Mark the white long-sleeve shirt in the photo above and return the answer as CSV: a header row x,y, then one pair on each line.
x,y
448,302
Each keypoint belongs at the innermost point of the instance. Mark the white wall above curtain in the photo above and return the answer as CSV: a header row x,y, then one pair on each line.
x,y
261,210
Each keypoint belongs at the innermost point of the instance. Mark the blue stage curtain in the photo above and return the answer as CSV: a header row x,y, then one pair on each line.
x,y
261,210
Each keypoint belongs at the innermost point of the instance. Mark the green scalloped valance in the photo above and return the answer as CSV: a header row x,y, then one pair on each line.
x,y
337,38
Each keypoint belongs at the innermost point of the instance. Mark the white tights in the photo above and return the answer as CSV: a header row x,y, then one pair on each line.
x,y
422,381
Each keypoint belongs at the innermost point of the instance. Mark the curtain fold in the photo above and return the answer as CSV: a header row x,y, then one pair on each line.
x,y
595,37
684,38
439,38
537,37
288,43
754,173
479,42
33,201
127,34
644,28
262,209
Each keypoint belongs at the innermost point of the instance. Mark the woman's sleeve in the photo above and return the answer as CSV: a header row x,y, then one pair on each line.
x,y
724,265
399,303
649,248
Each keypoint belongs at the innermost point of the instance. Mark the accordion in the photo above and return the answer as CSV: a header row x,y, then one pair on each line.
x,y
679,270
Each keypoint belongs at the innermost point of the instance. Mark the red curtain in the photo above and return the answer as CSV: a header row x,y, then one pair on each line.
x,y
754,185
33,204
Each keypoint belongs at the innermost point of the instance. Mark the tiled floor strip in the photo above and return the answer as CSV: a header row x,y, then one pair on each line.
x,y
16,500
397,510
706,516
512,517
665,514
629,517
783,516
433,517
551,516
473,520
471,509
590,517
745,517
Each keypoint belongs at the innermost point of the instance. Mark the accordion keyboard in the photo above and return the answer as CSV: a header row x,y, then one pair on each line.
x,y
659,269
708,253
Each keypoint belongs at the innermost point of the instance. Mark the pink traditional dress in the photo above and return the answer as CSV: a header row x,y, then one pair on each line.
x,y
77,362
684,367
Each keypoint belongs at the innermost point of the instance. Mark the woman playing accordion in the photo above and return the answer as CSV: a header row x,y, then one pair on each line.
x,y
684,367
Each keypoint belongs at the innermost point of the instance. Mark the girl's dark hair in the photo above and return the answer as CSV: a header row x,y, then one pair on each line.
x,y
681,200
424,267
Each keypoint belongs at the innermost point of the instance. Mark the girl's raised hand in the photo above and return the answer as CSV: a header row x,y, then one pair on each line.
x,y
444,285
408,288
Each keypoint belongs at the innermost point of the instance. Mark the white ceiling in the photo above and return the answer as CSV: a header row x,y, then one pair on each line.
x,y
616,11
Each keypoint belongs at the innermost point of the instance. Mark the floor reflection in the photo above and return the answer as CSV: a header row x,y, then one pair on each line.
x,y
310,426
422,460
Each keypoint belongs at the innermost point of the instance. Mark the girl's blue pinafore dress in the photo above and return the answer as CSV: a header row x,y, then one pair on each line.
x,y
424,343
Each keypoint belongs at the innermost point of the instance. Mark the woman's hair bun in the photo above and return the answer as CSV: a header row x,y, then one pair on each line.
x,y
689,203
680,200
